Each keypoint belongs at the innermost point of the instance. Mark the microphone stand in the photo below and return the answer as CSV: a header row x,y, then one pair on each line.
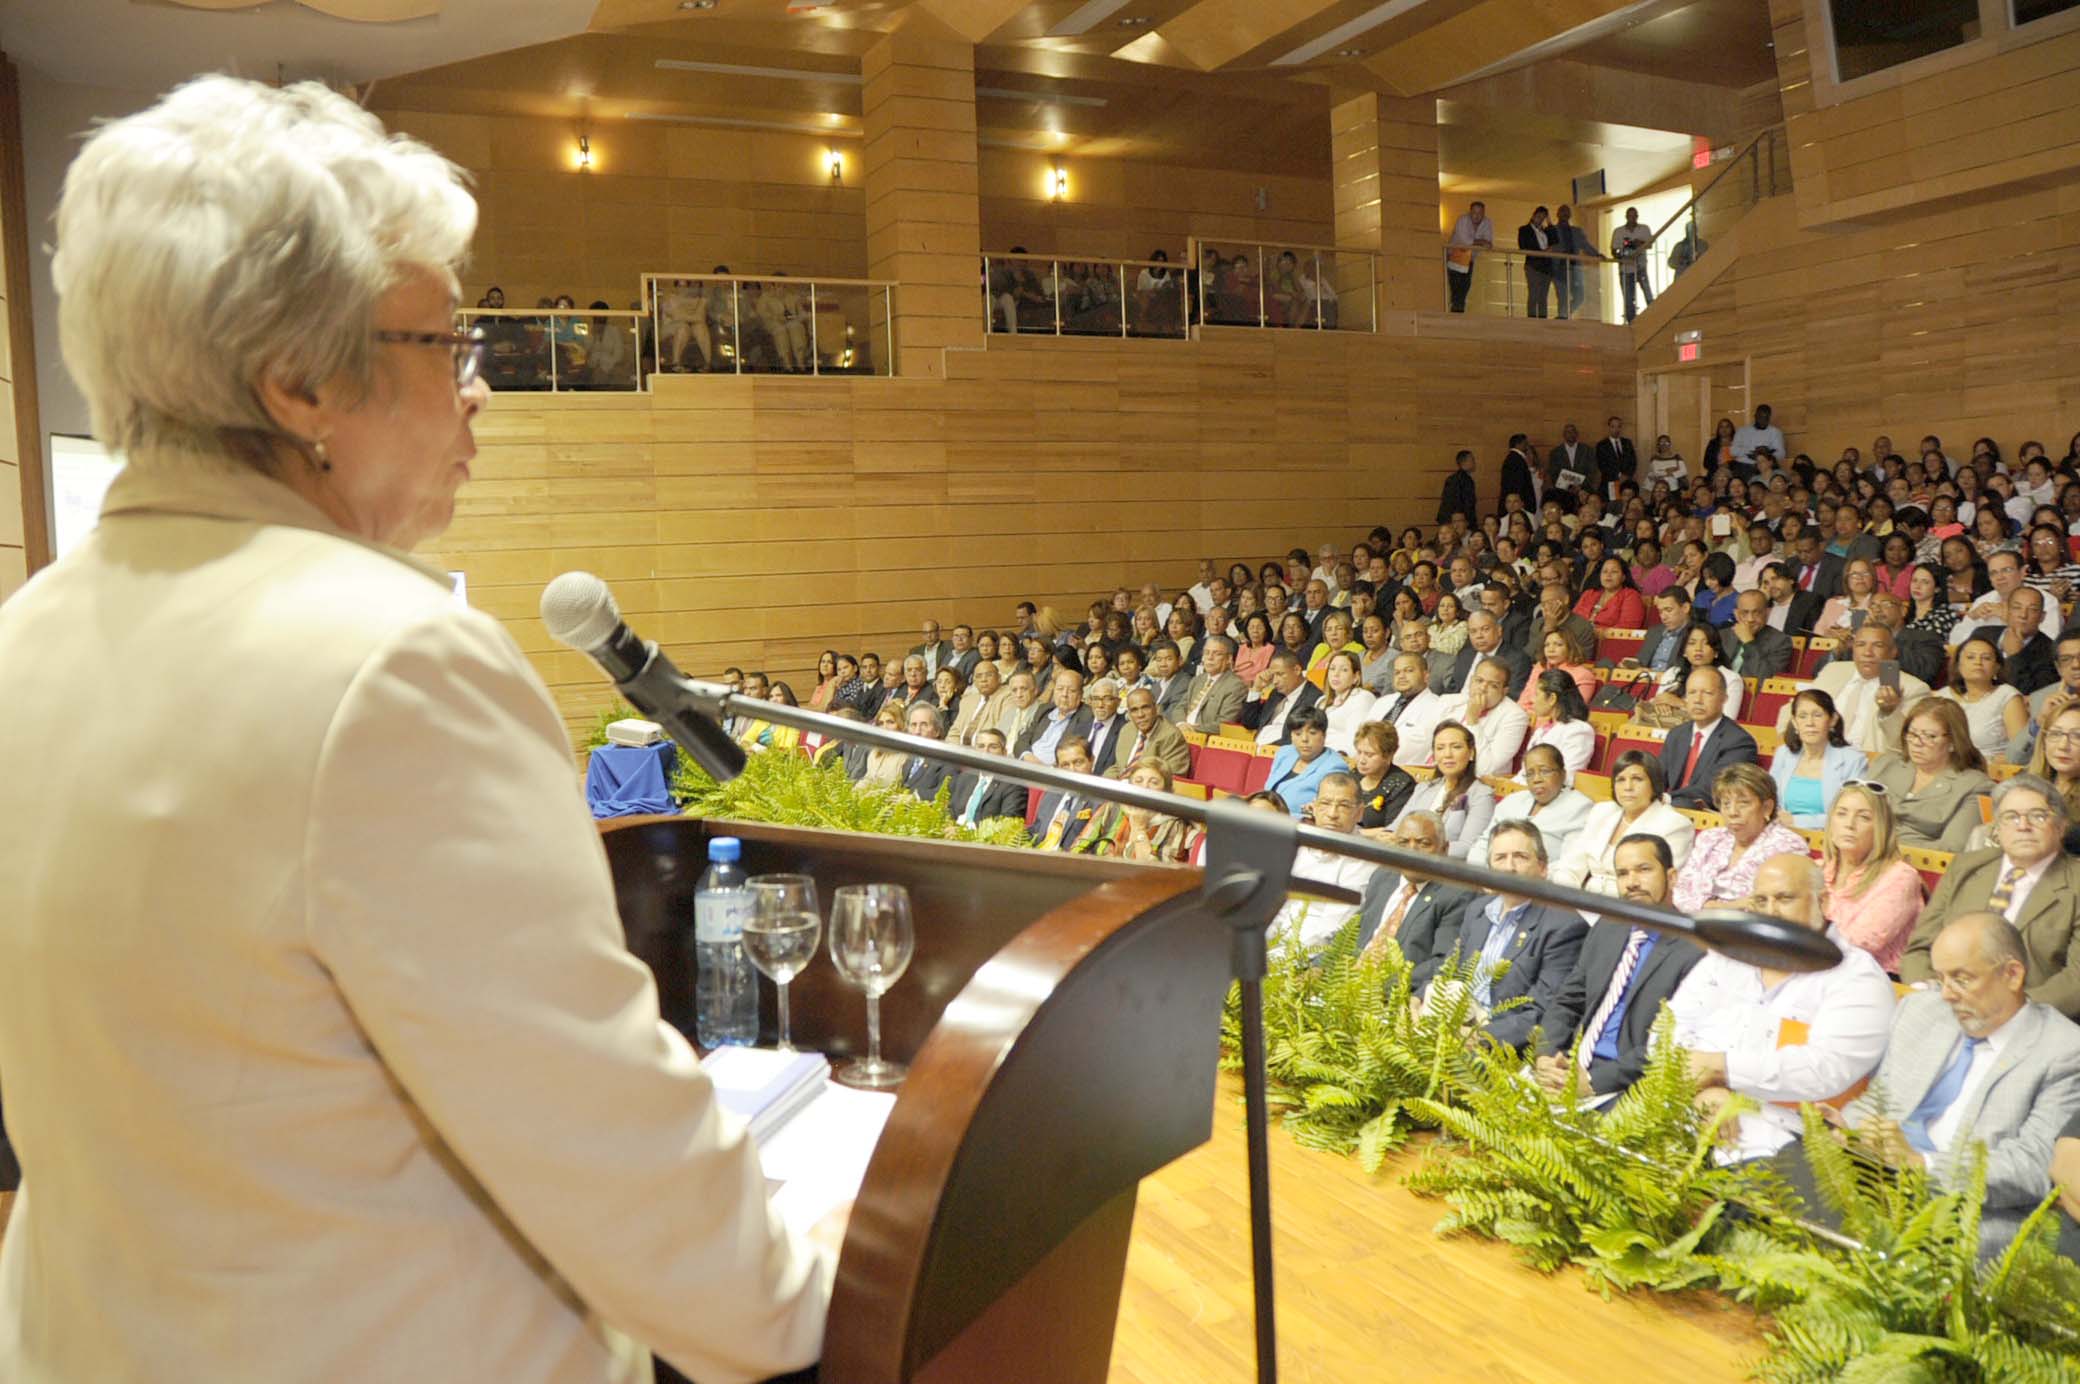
x,y
1249,861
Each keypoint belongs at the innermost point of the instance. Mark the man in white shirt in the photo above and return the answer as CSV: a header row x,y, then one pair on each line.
x,y
1202,589
1781,1037
1747,576
1335,808
1498,724
1870,709
1760,433
1989,614
1629,248
1412,709
1472,230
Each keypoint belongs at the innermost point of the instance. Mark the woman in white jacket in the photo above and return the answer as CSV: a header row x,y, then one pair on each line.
x,y
325,1055
1558,811
1639,803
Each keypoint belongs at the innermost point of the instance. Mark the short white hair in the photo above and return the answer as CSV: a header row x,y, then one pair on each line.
x,y
231,232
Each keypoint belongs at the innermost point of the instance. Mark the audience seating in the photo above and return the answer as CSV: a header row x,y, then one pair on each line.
x,y
1223,763
1703,819
1930,863
1033,796
1502,784
1189,789
1235,730
1772,697
1594,786
1615,646
1997,772
1632,737
1815,653
1767,739
1255,775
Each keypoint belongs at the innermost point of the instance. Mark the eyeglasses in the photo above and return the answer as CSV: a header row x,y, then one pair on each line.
x,y
1927,737
2061,737
468,348
2036,817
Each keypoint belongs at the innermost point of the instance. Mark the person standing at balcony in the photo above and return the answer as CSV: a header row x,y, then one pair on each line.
x,y
1473,231
1629,248
1534,237
1572,278
1459,495
1617,459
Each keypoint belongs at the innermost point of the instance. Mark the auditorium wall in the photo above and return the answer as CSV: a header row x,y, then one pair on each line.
x,y
757,521
22,535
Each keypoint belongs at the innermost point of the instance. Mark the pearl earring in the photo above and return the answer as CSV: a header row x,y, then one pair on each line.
x,y
318,450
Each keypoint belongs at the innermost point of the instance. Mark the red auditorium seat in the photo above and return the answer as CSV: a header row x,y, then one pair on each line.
x,y
1615,646
1033,796
1815,654
1256,774
1637,738
1770,699
1221,767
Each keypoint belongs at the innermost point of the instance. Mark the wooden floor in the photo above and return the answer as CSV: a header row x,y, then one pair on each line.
x,y
1366,1292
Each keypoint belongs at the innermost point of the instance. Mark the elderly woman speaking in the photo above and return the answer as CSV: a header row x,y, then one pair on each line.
x,y
323,1053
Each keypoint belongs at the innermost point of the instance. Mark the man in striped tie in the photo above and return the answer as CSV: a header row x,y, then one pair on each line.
x,y
1603,1017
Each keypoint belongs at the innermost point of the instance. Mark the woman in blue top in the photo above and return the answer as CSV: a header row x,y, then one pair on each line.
x,y
1815,760
1299,768
1715,594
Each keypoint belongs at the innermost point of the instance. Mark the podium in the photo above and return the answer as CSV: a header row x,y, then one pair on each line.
x,y
1061,1020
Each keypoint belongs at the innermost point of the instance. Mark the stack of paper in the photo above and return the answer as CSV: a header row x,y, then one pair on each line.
x,y
766,1088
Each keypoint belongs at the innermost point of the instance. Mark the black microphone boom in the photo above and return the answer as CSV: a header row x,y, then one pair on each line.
x,y
580,612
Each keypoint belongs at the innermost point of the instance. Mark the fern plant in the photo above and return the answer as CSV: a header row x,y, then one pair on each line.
x,y
791,790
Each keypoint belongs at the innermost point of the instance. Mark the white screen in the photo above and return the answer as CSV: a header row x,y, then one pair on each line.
x,y
80,473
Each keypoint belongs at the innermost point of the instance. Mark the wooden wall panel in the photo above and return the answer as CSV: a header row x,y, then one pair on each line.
x,y
24,531
1949,322
758,521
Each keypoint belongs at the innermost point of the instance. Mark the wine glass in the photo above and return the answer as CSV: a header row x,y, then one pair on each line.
x,y
781,935
871,943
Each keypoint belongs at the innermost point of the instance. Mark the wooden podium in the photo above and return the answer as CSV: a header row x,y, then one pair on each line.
x,y
1061,1021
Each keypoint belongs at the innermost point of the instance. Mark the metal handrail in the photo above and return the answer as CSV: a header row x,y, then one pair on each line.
x,y
992,255
1195,255
763,279
1767,132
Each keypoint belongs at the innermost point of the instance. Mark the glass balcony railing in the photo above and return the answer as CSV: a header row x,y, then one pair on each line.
x,y
1506,282
737,325
1044,295
1298,287
559,349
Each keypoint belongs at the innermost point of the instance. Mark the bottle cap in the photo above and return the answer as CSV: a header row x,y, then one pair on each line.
x,y
725,850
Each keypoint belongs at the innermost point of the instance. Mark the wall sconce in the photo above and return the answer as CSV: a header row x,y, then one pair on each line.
x,y
1057,183
584,153
837,165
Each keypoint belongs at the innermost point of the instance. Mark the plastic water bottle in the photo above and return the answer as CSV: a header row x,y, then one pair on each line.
x,y
725,994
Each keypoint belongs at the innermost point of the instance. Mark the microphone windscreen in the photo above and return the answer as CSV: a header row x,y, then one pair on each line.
x,y
579,611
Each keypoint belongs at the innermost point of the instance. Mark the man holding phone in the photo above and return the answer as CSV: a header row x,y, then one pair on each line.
x,y
1869,690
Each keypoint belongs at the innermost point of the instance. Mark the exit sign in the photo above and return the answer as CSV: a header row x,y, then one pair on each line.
x,y
1689,351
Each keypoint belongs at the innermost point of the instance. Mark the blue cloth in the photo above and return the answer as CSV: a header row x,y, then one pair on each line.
x,y
1501,928
1606,1049
1716,609
1838,765
1803,801
631,780
1941,1096
1298,783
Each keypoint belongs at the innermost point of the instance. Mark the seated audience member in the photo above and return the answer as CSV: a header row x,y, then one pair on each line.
x,y
1484,640
1561,652
917,683
1335,809
1256,648
1556,612
1138,833
1412,709
1415,639
1383,789
948,686
2027,879
1517,949
1345,699
1723,859
850,754
1129,667
1612,600
1701,649
885,766
1845,613
1975,1062
1281,691
1663,645
1993,711
1557,810
1988,613
1060,819
1067,715
1865,692
1149,739
1695,752
1638,806
2047,701
1498,724
1167,677
1022,706
1376,664
1873,894
1920,653
1039,656
1928,603
1216,694
2027,659
1935,778
1422,917
1300,764
1815,760
1781,1038
1715,593
1455,795
1753,649
1335,635
922,776
1560,718
829,678
979,797
1790,611
1611,998
1108,727
2057,756
894,691
981,707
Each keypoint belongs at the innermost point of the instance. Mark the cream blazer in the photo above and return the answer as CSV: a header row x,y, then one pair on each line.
x,y
322,1048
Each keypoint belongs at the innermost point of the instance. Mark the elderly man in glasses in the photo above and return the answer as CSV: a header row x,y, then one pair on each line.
x,y
2028,880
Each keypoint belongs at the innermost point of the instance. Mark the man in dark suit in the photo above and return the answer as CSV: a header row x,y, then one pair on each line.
x,y
1664,642
979,797
1695,751
1484,640
1107,725
2027,662
1540,943
1282,690
1514,619
1062,818
1066,715
935,652
1424,916
1459,495
1574,455
1753,649
1611,997
922,776
1616,458
1516,473
962,655
1791,610
1818,572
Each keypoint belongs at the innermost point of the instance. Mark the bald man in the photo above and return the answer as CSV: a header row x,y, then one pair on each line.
x,y
1734,1018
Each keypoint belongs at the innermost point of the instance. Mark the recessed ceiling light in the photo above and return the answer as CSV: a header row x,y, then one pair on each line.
x,y
1133,21
1350,52
696,4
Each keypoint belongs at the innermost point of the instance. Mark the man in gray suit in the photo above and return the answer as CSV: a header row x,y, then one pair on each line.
x,y
1976,1062
1534,945
1424,916
1148,736
1216,695
935,652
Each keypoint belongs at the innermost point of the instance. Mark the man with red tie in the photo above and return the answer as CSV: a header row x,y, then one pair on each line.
x,y
1695,752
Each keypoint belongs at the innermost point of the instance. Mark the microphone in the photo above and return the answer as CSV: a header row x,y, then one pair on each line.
x,y
580,613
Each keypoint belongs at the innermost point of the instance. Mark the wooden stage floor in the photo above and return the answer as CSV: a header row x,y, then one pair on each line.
x,y
1366,1291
